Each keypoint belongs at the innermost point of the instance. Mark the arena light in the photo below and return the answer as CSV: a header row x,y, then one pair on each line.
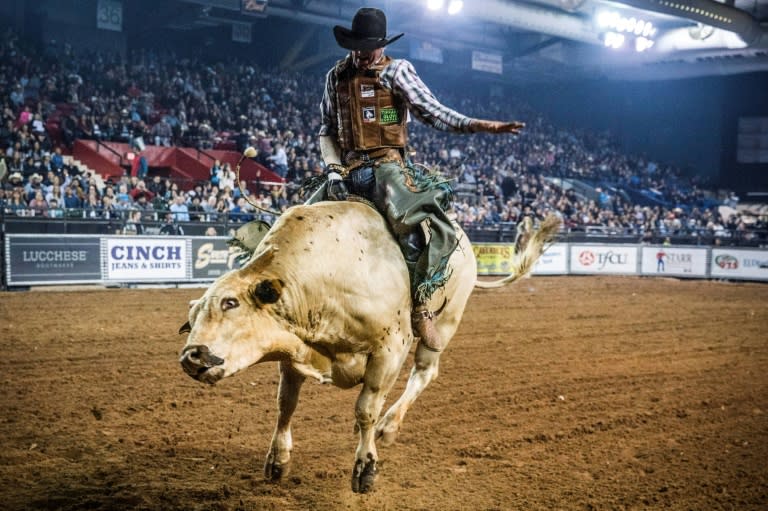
x,y
613,20
455,7
642,44
613,40
435,5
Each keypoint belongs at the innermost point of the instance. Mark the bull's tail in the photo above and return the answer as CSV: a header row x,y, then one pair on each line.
x,y
529,247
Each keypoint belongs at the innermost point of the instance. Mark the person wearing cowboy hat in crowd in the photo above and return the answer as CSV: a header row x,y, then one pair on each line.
x,y
367,100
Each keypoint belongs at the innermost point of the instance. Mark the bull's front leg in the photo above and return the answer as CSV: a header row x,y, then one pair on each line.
x,y
278,460
380,374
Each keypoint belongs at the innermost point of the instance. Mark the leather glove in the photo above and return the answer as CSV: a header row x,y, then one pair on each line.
x,y
477,125
337,190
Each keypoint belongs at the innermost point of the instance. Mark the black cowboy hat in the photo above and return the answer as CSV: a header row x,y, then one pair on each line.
x,y
368,33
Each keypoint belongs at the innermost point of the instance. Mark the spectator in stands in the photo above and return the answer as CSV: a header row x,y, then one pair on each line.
x,y
279,160
161,133
158,186
241,212
196,210
133,224
71,198
139,166
170,227
141,189
178,207
57,159
38,206
227,178
215,172
54,209
16,204
15,179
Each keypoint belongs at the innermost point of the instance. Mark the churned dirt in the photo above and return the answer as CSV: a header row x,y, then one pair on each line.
x,y
557,393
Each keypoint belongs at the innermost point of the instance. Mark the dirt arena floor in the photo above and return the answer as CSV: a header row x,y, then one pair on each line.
x,y
557,393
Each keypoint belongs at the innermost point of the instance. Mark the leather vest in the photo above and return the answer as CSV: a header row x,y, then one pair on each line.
x,y
370,116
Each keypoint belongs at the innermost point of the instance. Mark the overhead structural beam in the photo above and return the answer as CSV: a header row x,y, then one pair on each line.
x,y
709,13
313,60
536,47
541,19
296,48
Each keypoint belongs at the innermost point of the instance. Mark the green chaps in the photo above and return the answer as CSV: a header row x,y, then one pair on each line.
x,y
408,196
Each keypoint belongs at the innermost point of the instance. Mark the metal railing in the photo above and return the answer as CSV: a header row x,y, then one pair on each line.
x,y
88,221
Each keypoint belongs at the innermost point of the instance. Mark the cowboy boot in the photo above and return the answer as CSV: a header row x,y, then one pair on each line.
x,y
422,321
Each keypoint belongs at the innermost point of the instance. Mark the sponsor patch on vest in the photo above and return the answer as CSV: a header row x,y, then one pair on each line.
x,y
369,114
367,90
389,115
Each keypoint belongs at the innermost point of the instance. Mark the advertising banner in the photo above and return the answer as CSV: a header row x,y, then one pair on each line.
x,y
32,259
554,261
109,15
212,258
617,259
488,62
143,258
494,258
425,50
674,261
739,264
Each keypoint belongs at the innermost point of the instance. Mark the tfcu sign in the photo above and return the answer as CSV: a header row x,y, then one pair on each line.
x,y
144,258
601,259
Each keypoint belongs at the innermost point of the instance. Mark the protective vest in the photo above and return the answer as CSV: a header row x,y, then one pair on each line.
x,y
370,116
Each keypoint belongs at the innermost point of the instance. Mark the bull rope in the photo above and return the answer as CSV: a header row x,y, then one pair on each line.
x,y
250,152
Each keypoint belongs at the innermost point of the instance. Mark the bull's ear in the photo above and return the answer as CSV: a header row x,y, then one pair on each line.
x,y
267,291
185,328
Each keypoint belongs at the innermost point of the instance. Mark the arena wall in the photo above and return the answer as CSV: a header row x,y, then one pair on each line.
x,y
61,259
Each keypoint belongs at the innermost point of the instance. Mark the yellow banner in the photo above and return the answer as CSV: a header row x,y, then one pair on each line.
x,y
494,258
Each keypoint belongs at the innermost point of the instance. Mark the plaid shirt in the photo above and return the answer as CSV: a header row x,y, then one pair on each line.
x,y
400,77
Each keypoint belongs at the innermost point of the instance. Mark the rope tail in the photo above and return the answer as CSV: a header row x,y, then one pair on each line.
x,y
532,244
250,152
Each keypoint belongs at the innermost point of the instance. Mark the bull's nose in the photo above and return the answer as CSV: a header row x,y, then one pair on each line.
x,y
197,359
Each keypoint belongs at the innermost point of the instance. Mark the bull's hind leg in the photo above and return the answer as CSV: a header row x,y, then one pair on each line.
x,y
424,371
380,374
278,460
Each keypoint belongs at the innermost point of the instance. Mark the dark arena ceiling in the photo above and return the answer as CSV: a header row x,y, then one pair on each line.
x,y
538,40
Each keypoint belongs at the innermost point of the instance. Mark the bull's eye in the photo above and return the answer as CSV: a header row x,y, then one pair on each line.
x,y
229,303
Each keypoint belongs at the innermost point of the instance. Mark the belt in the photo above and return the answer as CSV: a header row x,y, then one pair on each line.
x,y
355,159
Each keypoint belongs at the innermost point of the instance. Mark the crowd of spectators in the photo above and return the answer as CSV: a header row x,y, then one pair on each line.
x,y
153,97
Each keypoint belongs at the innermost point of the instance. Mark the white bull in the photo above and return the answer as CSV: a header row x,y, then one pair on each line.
x,y
327,295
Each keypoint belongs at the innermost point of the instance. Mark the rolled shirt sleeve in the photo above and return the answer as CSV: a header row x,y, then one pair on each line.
x,y
400,76
328,113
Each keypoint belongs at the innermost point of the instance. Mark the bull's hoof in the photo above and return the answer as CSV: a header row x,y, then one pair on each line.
x,y
363,476
275,471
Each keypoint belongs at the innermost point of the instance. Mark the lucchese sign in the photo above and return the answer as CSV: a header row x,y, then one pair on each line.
x,y
61,258
52,259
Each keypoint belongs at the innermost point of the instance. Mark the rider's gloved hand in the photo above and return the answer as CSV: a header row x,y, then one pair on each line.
x,y
337,190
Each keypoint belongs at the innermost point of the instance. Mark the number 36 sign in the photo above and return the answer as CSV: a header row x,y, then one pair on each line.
x,y
109,15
